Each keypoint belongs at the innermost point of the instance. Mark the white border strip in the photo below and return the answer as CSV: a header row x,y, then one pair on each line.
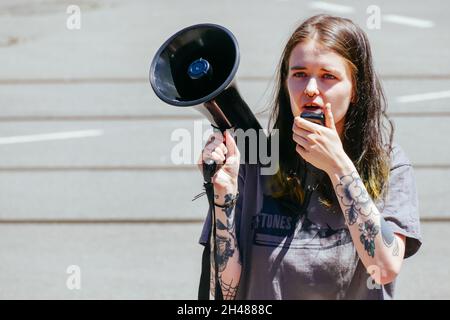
x,y
331,7
51,136
413,22
424,97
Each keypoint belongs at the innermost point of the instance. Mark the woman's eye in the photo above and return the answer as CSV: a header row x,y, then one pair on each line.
x,y
329,76
299,74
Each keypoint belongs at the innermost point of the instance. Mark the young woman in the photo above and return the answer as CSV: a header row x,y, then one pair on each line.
x,y
341,213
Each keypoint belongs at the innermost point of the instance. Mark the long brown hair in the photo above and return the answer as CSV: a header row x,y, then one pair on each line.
x,y
368,131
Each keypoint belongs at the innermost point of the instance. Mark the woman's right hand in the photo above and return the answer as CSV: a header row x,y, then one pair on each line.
x,y
227,157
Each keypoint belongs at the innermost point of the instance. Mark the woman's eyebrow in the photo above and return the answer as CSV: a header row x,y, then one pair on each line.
x,y
327,69
330,69
297,68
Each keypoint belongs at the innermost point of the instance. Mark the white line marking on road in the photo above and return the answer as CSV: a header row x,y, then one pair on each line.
x,y
331,7
51,136
424,97
413,22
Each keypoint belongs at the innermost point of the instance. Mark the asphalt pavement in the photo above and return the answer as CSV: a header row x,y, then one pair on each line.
x,y
88,173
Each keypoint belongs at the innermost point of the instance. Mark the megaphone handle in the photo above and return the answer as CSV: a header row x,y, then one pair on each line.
x,y
209,168
209,165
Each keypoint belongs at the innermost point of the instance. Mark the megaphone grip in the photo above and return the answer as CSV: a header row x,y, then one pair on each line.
x,y
209,165
209,168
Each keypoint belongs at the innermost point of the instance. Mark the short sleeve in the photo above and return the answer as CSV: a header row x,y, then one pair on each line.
x,y
401,208
204,236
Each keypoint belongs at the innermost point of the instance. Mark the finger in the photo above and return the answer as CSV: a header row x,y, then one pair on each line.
x,y
230,144
304,144
329,118
219,151
301,150
299,122
206,153
219,159
203,158
213,145
216,138
301,132
299,139
223,148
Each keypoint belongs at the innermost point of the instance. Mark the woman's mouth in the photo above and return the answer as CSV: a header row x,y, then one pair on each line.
x,y
312,109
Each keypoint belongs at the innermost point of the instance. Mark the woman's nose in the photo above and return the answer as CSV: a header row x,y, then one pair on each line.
x,y
311,89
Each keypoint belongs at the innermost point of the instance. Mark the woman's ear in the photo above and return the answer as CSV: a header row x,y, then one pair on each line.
x,y
353,98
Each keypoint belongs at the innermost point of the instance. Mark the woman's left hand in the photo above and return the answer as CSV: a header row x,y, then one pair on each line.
x,y
319,145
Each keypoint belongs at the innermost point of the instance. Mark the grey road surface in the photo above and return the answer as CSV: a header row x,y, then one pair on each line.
x,y
88,175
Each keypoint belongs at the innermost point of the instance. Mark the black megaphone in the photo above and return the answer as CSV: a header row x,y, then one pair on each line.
x,y
196,67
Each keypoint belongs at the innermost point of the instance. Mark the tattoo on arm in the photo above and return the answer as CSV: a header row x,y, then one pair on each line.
x,y
226,244
229,290
354,197
225,250
357,202
389,238
368,230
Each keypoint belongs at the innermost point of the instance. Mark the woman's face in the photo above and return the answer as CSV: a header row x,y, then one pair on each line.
x,y
317,75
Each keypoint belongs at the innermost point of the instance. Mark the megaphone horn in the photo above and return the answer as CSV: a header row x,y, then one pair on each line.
x,y
196,67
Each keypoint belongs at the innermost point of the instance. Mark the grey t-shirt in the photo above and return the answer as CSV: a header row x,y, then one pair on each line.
x,y
313,256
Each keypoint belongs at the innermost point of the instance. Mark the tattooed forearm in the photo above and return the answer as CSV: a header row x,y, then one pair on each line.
x,y
368,230
226,241
229,290
389,238
373,239
227,251
230,201
354,197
